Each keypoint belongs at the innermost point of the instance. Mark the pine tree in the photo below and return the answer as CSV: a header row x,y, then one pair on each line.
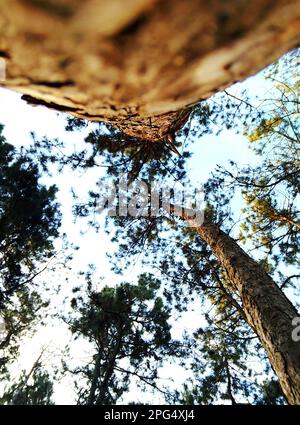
x,y
127,327
29,223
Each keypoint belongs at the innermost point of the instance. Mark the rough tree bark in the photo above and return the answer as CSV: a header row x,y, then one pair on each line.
x,y
139,64
267,310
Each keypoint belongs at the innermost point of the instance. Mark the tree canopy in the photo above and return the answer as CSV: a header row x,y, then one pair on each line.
x,y
127,328
29,224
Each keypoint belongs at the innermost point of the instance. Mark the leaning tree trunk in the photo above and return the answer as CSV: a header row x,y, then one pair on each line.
x,y
139,64
268,311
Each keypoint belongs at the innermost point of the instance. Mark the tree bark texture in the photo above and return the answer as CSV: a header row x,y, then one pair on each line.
x,y
267,310
139,65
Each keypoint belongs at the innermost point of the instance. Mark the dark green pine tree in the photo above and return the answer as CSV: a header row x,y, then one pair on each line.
x,y
29,223
29,219
33,388
106,147
127,327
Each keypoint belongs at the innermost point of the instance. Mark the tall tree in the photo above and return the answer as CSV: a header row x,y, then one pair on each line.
x,y
128,329
268,311
29,223
29,219
32,388
271,189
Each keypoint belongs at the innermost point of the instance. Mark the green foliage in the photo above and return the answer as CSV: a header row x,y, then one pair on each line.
x,y
29,222
118,153
18,318
129,332
29,219
271,394
226,361
271,190
35,388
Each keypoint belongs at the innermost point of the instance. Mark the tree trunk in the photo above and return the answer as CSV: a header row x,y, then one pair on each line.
x,y
110,368
268,311
95,379
139,64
